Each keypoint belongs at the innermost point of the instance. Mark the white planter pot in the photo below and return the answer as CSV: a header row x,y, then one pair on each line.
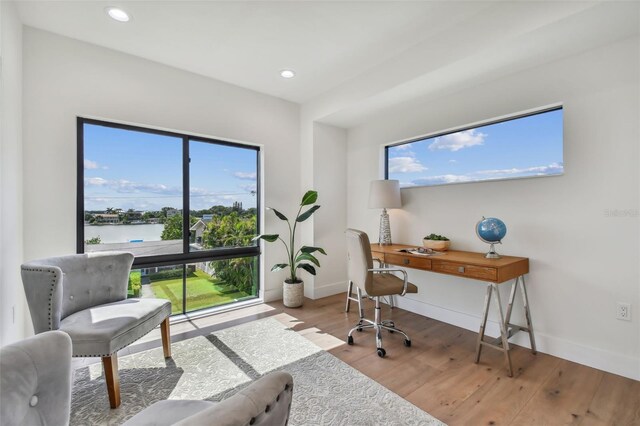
x,y
292,294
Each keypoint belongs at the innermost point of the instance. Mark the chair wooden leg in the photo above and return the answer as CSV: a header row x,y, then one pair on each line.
x,y
110,365
166,338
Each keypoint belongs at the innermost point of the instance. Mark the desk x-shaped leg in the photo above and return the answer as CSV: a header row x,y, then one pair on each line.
x,y
507,329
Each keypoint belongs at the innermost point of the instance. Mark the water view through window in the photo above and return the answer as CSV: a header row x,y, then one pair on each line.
x,y
134,196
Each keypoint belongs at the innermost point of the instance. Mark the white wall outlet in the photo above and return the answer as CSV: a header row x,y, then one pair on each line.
x,y
623,311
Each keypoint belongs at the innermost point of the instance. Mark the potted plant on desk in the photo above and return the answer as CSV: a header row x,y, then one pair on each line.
x,y
303,258
436,242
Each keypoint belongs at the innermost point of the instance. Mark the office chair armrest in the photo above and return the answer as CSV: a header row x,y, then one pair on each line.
x,y
405,276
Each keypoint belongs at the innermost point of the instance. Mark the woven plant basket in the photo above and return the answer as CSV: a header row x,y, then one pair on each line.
x,y
292,294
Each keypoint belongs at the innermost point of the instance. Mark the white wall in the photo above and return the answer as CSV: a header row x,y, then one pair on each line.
x,y
65,78
582,261
12,303
329,223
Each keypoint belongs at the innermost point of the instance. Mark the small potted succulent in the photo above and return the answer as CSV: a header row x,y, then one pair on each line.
x,y
436,242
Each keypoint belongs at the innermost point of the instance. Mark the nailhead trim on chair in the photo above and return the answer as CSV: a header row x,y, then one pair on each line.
x,y
120,348
268,407
53,284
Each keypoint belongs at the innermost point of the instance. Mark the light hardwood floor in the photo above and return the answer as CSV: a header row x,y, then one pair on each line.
x,y
437,372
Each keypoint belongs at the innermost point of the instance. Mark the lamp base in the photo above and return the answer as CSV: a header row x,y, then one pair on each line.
x,y
384,238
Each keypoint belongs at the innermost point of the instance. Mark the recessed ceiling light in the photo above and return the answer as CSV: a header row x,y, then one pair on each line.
x,y
117,14
287,74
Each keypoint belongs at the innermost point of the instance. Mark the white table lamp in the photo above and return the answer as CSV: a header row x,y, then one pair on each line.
x,y
384,194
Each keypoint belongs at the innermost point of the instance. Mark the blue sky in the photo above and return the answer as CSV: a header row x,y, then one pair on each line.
x,y
525,147
143,171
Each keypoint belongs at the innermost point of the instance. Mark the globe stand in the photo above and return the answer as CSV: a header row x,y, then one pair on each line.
x,y
492,252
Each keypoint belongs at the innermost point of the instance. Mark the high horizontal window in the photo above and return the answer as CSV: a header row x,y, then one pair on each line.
x,y
523,146
134,187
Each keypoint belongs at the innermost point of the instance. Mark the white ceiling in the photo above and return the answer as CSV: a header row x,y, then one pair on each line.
x,y
351,58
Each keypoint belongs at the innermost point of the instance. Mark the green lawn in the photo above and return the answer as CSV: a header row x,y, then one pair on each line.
x,y
202,292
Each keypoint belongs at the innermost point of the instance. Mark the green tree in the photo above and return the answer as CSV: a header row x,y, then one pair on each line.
x,y
94,240
173,227
233,230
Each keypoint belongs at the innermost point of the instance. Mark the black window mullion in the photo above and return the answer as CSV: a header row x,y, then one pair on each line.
x,y
80,186
186,215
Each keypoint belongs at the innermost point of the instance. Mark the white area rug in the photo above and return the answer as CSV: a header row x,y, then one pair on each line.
x,y
326,390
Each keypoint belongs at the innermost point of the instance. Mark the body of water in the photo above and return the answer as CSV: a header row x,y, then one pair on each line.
x,y
123,233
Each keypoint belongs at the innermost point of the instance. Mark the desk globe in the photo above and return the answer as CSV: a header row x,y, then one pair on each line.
x,y
491,230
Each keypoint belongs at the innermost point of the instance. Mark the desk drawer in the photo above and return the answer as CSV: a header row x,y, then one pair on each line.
x,y
409,262
469,271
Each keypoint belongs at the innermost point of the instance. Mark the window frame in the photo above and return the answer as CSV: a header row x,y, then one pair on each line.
x,y
489,122
186,256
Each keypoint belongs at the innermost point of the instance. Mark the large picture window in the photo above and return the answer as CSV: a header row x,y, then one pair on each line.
x,y
522,146
135,186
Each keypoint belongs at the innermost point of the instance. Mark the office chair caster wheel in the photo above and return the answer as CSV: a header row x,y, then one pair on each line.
x,y
391,331
407,343
350,340
381,352
359,329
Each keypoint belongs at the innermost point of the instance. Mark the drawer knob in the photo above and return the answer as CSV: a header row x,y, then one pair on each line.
x,y
461,269
405,261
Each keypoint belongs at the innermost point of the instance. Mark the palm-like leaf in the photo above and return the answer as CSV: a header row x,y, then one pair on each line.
x,y
267,237
309,197
309,268
306,256
280,215
279,266
310,249
306,215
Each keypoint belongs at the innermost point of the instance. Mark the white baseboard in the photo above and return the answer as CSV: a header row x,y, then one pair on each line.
x,y
272,294
611,362
329,290
314,293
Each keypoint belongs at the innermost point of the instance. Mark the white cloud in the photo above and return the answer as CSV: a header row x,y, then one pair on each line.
x,y
440,179
459,140
250,187
245,175
483,175
125,186
405,165
453,161
401,147
96,181
551,169
92,165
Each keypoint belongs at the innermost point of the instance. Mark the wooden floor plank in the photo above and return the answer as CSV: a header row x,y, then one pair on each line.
x,y
616,402
487,405
564,398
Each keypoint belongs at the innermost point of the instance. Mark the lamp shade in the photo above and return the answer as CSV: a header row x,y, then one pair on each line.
x,y
384,194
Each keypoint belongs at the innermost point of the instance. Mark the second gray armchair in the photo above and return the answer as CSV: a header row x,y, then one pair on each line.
x,y
35,383
85,295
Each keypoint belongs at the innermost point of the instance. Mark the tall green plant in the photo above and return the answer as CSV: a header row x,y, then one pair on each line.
x,y
302,258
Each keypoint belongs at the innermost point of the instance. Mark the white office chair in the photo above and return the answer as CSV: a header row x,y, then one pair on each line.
x,y
376,283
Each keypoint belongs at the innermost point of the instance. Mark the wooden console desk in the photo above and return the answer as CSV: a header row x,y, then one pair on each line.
x,y
475,266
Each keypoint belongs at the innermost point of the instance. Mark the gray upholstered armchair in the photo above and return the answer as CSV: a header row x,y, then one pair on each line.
x,y
266,402
35,381
85,295
35,389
